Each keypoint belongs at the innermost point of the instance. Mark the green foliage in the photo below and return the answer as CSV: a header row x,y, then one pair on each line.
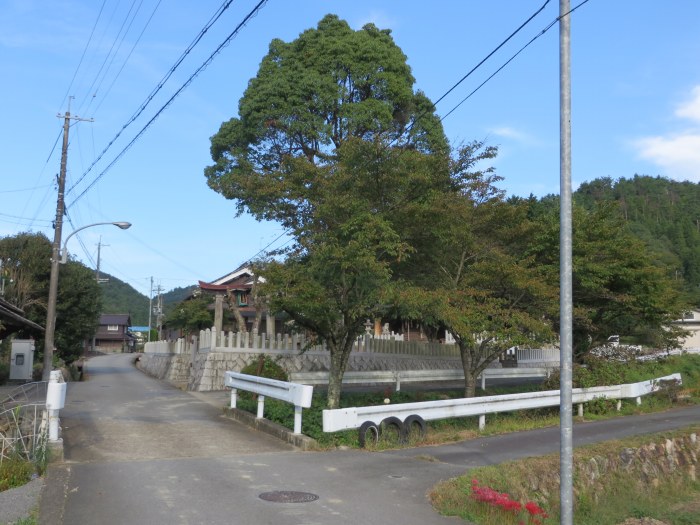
x,y
26,257
315,147
77,310
617,287
191,315
15,472
265,366
663,214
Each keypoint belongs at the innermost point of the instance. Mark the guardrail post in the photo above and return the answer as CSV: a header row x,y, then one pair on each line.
x,y
261,406
580,410
234,395
483,380
639,401
619,404
482,421
398,381
297,419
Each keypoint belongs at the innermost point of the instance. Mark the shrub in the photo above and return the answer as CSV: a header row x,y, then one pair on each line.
x,y
15,472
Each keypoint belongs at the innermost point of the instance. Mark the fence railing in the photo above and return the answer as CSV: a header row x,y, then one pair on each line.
x,y
418,376
297,395
393,344
369,419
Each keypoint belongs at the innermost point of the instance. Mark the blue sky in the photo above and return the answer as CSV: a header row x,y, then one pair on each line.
x,y
635,108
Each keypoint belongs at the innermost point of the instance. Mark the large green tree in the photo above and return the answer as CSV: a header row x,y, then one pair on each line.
x,y
476,280
332,142
617,288
27,265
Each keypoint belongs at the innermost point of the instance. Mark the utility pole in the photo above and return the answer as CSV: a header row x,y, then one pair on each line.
x,y
159,312
97,269
56,248
565,270
150,309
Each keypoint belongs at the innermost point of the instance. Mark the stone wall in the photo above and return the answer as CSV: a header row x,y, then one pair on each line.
x,y
208,368
649,464
205,372
174,368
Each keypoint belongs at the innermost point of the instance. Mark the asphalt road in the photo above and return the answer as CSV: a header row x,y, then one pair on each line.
x,y
140,451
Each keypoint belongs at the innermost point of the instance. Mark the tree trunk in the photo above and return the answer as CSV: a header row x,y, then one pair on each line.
x,y
233,306
340,354
470,374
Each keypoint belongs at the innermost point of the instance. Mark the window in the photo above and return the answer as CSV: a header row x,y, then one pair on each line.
x,y
242,299
112,327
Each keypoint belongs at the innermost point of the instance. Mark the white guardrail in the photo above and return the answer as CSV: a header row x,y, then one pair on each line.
x,y
406,416
298,395
406,376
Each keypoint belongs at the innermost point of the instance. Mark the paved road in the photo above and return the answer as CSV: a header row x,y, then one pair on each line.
x,y
140,451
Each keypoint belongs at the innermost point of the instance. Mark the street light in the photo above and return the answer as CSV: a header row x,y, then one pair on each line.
x,y
64,253
53,290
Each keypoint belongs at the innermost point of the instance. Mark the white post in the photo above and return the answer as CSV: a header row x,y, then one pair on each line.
x,y
483,380
234,393
482,421
297,419
580,410
261,406
54,377
619,405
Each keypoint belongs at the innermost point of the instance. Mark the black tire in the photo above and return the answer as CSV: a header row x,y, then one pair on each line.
x,y
369,433
413,428
392,429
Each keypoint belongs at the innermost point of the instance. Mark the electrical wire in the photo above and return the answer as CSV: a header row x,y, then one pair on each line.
x,y
208,61
215,17
126,60
82,57
549,26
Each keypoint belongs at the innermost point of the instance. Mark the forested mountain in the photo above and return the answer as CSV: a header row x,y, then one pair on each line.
x,y
119,297
664,213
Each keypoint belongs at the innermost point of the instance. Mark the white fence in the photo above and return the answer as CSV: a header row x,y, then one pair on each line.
x,y
298,395
407,376
369,419
220,341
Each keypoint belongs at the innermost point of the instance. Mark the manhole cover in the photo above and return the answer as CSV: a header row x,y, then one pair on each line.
x,y
288,496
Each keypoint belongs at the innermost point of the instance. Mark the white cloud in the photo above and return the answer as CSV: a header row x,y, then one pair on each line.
x,y
510,133
677,153
691,109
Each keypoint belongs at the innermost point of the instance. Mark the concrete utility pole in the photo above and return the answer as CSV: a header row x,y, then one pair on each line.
x,y
97,269
55,252
150,310
565,267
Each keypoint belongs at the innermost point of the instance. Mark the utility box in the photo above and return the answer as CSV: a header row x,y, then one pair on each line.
x,y
22,360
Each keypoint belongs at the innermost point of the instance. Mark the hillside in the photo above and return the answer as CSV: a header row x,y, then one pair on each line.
x,y
119,297
664,213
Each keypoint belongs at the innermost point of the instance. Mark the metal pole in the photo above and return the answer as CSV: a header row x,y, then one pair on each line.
x,y
565,268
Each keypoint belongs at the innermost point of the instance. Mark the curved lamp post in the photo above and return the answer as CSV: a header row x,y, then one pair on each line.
x,y
64,253
53,293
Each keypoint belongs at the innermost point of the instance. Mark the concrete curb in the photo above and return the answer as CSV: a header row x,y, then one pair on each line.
x,y
268,427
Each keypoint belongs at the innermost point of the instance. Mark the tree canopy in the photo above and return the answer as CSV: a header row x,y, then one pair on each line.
x,y
27,260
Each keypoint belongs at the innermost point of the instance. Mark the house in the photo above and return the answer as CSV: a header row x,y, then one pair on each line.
x,y
12,320
691,323
113,334
237,290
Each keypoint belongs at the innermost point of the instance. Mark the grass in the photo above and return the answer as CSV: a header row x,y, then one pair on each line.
x,y
608,498
458,429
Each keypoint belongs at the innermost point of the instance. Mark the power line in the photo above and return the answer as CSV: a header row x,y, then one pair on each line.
x,y
549,26
109,89
87,45
208,61
157,89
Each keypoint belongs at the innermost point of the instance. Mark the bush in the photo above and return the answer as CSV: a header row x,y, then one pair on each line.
x,y
265,366
4,373
15,473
